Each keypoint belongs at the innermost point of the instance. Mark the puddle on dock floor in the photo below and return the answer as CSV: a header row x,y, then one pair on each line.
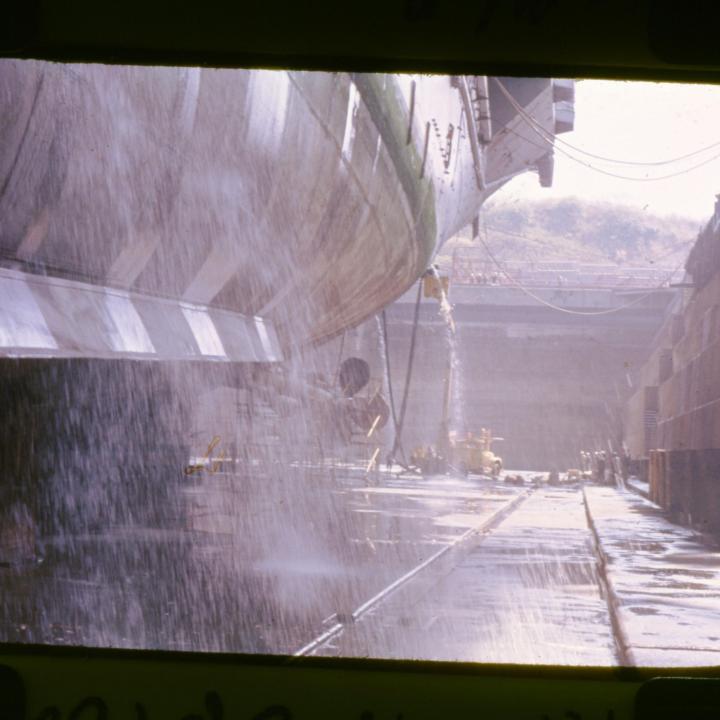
x,y
665,581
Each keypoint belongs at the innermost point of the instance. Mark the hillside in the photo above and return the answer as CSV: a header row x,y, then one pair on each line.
x,y
573,229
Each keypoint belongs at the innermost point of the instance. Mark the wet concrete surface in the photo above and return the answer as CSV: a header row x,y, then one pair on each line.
x,y
528,592
664,581
268,561
260,563
349,538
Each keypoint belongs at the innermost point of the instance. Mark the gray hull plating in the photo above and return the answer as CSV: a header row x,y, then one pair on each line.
x,y
244,212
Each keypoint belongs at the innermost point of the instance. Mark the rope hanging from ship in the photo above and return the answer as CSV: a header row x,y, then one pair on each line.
x,y
339,360
388,374
398,422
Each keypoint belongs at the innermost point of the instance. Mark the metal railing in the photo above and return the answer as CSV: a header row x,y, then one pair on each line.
x,y
475,271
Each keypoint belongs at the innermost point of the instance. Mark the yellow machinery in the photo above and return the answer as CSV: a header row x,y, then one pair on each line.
x,y
468,453
473,453
435,286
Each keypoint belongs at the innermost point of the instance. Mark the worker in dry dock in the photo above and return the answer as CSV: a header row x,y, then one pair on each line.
x,y
626,463
600,466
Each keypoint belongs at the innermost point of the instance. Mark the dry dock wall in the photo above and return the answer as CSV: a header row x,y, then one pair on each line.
x,y
682,453
550,383
686,484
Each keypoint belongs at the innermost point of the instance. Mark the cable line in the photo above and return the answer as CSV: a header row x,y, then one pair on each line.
x,y
568,311
408,373
638,163
399,421
609,173
387,370
551,141
683,247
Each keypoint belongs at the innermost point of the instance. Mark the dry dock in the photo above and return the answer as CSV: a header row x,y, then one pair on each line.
x,y
441,568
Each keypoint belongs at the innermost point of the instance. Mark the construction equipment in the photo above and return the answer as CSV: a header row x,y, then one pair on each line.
x,y
473,453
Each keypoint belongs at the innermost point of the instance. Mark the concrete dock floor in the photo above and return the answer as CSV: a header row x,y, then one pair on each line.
x,y
529,592
527,573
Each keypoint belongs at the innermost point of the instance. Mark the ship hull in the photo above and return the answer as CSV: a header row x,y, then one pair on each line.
x,y
301,201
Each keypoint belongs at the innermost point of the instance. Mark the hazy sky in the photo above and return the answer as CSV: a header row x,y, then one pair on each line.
x,y
633,121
